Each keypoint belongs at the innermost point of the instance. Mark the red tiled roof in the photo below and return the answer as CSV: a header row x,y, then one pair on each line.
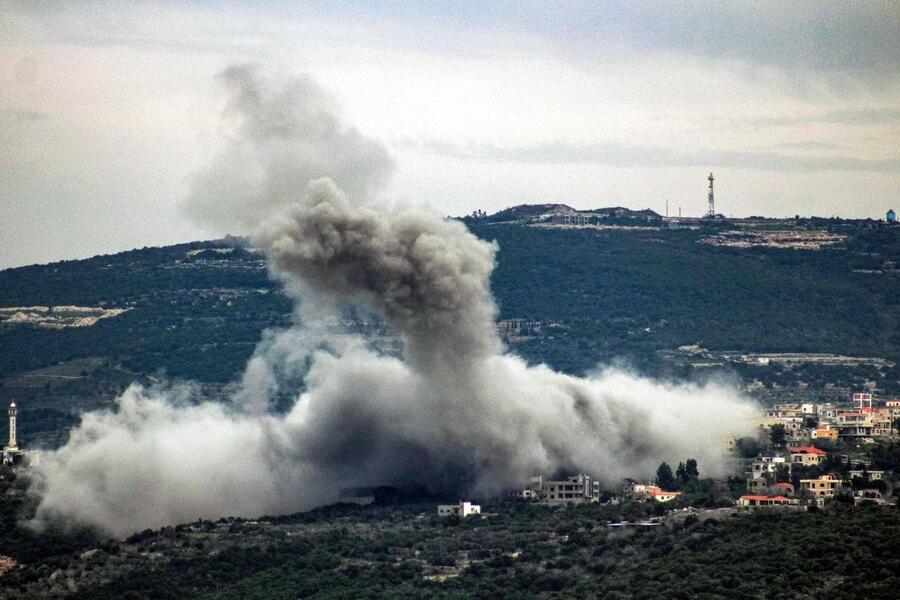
x,y
759,498
808,450
784,485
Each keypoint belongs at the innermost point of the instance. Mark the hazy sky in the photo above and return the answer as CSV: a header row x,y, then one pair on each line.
x,y
107,109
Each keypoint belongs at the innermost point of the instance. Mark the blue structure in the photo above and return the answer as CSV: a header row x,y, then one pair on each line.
x,y
891,216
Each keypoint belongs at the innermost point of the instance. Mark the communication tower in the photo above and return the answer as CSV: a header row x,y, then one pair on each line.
x,y
711,211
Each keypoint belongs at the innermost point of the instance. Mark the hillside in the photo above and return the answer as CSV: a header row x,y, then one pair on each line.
x,y
516,551
684,302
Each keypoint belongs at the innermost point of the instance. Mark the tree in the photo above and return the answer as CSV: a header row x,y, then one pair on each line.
x,y
777,434
690,469
664,477
782,474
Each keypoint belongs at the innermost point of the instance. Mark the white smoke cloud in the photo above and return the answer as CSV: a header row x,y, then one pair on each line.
x,y
455,411
285,132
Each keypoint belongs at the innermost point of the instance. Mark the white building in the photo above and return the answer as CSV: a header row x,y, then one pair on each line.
x,y
463,509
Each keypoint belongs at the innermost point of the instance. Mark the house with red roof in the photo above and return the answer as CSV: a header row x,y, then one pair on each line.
x,y
784,488
757,501
807,455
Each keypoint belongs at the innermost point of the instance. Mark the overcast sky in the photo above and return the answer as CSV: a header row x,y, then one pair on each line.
x,y
108,109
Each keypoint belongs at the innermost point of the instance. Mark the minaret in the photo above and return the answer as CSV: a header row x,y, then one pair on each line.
x,y
712,202
12,427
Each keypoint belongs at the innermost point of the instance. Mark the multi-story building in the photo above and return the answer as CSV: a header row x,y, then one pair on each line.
x,y
823,487
577,489
763,471
869,423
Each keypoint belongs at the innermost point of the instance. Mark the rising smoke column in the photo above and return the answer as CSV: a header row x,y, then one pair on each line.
x,y
455,411
281,133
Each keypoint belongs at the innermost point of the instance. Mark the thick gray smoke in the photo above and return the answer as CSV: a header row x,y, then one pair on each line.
x,y
284,132
454,412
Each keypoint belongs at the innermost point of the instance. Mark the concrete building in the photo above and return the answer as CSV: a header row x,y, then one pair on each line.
x,y
823,487
867,475
578,489
763,472
825,432
873,496
463,509
870,423
862,401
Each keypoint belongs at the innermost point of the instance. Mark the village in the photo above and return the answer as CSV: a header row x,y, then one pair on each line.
x,y
804,455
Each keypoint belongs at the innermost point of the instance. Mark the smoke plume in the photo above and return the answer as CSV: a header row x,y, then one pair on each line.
x,y
283,132
455,411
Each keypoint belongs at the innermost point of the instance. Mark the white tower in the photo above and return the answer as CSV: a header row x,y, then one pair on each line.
x,y
12,427
711,212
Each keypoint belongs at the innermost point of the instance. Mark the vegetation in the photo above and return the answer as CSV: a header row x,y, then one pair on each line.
x,y
519,550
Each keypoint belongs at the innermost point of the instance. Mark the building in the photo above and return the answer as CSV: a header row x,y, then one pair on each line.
x,y
891,216
825,432
867,475
791,410
754,500
862,401
793,427
571,219
869,496
823,487
763,472
577,489
463,509
867,423
807,455
645,491
729,446
785,488
661,495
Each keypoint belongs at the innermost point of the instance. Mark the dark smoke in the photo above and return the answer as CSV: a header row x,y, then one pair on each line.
x,y
454,412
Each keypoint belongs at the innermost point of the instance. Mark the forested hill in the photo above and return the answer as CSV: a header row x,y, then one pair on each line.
x,y
588,295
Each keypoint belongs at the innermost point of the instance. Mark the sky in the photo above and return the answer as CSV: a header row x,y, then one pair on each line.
x,y
107,110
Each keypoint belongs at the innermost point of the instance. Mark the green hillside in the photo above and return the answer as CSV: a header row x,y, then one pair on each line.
x,y
196,311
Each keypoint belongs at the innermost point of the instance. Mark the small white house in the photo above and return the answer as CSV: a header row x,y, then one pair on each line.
x,y
463,509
